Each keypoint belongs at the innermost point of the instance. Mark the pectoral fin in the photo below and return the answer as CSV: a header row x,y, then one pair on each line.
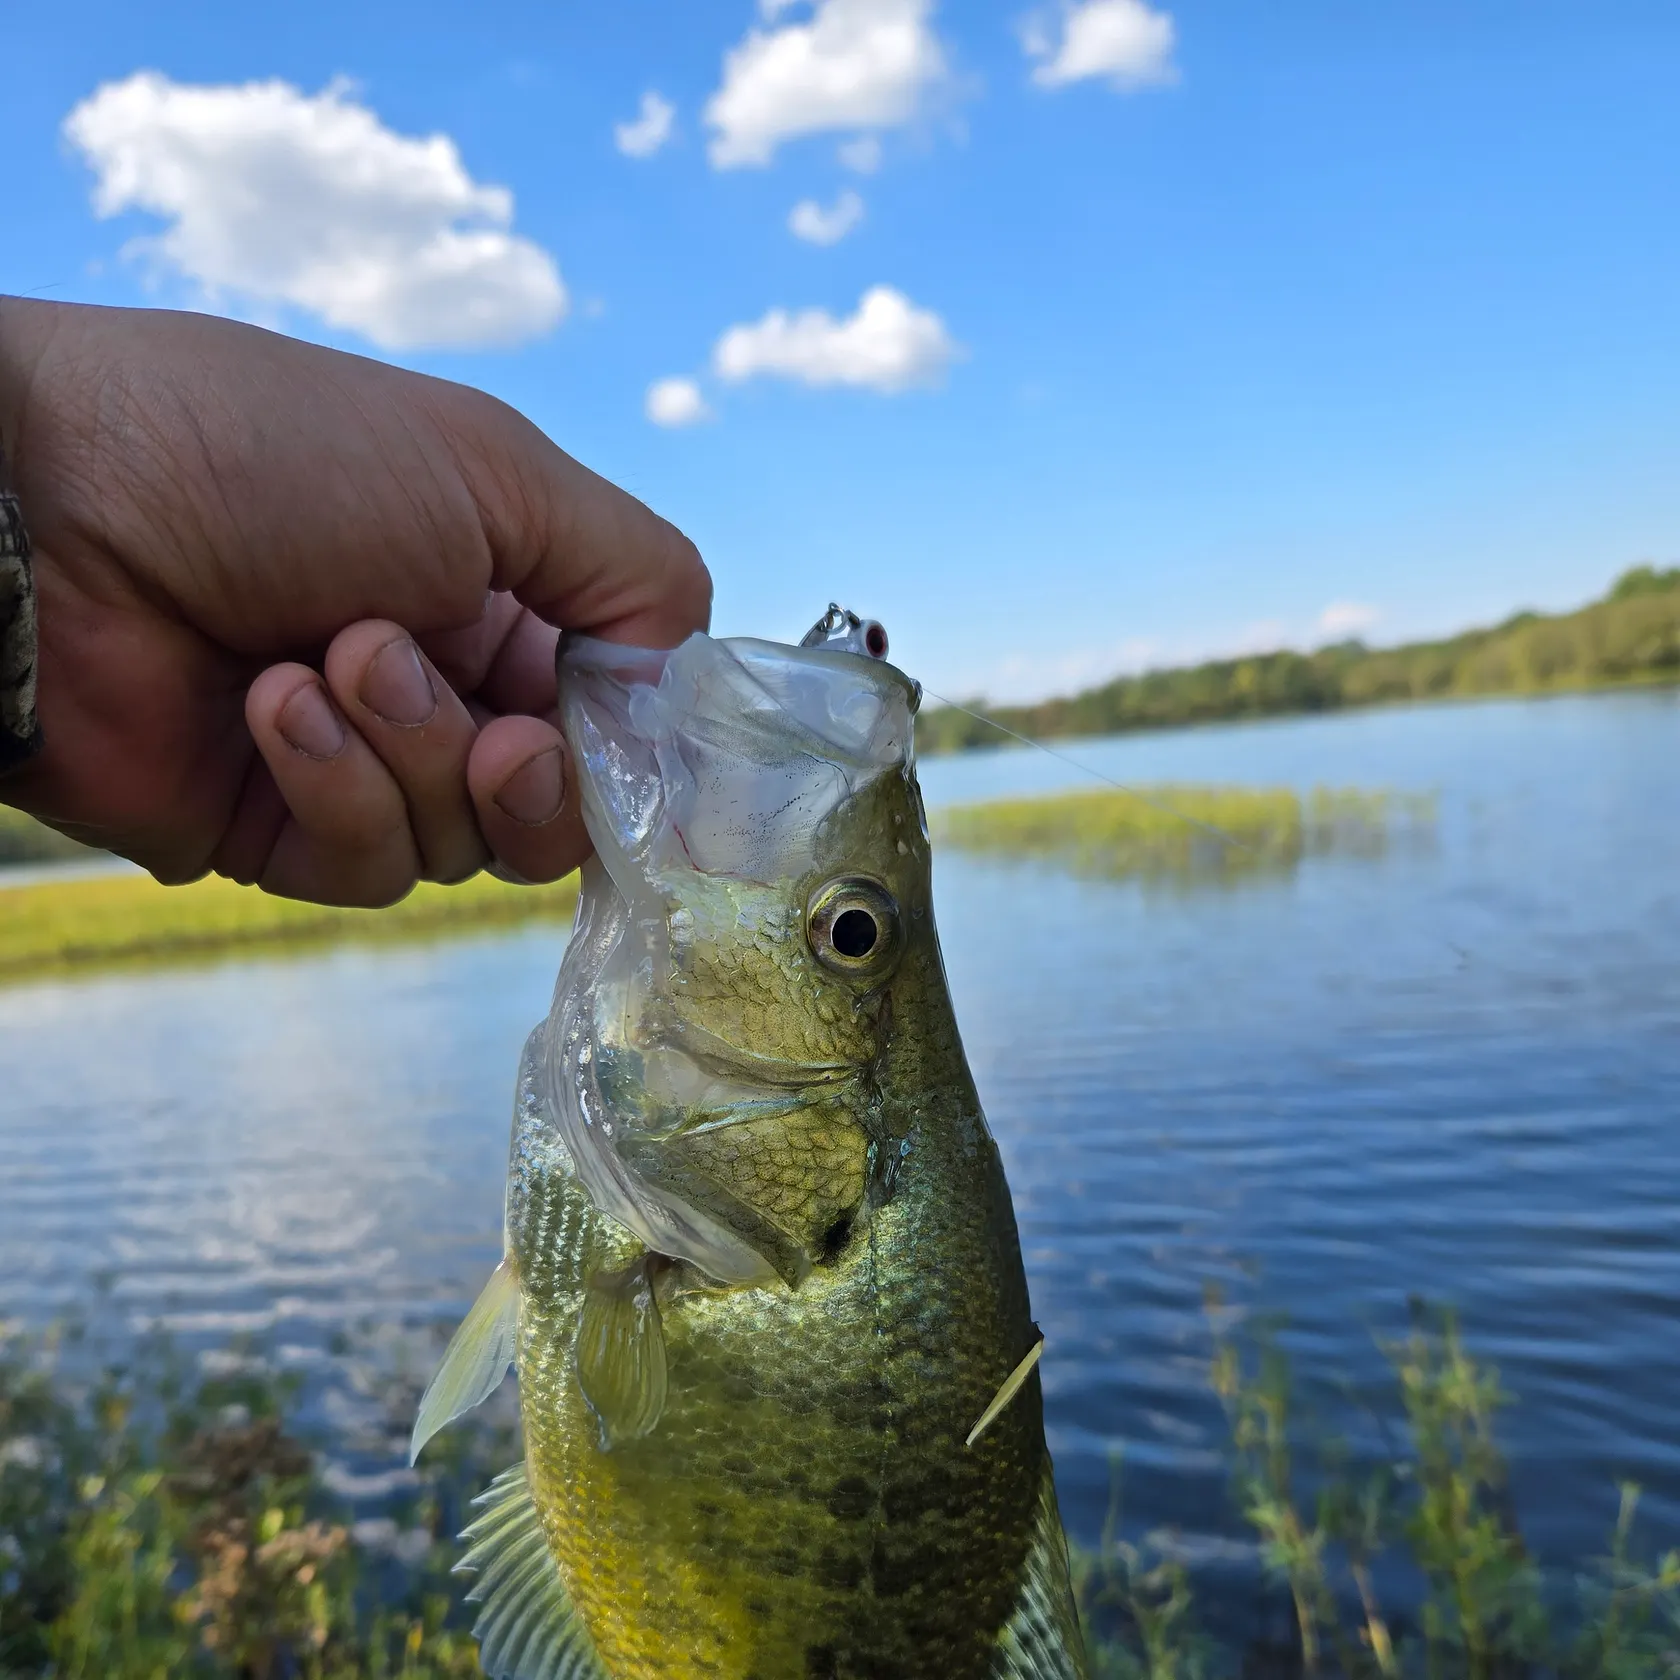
x,y
1042,1639
476,1359
527,1629
621,1353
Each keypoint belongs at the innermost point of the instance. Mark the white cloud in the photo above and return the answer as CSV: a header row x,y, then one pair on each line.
x,y
1262,635
1022,677
1342,619
862,156
676,402
650,128
887,345
810,221
857,64
273,197
1123,41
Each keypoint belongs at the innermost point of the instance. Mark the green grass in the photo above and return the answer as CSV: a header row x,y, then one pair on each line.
x,y
1171,830
157,1521
114,919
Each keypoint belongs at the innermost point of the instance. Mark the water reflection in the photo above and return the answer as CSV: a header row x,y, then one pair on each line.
x,y
1445,1069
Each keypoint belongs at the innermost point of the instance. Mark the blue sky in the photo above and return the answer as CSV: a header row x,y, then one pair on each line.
x,y
1204,326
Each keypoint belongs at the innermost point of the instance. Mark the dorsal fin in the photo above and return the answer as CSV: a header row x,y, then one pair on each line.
x,y
476,1359
1042,1638
527,1629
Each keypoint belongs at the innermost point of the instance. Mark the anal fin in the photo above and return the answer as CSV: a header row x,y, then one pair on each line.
x,y
476,1359
528,1629
1042,1639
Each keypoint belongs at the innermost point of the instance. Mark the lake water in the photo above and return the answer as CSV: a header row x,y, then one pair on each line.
x,y
1453,1071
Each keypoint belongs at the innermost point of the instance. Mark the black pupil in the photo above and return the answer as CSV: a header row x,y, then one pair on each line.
x,y
854,933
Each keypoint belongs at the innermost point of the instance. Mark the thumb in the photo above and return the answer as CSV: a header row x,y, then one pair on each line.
x,y
577,550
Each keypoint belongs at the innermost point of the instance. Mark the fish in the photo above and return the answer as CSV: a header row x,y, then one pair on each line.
x,y
762,1283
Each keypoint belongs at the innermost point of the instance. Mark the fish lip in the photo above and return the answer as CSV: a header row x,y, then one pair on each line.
x,y
581,647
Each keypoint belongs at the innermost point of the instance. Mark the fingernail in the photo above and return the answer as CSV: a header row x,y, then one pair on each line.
x,y
532,794
310,724
395,686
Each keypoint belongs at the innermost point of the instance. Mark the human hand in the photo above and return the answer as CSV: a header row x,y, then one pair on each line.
x,y
297,607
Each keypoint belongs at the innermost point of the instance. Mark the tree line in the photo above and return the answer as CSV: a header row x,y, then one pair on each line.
x,y
1630,636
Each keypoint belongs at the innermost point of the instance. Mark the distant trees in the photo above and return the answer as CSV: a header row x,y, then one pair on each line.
x,y
1631,636
1644,580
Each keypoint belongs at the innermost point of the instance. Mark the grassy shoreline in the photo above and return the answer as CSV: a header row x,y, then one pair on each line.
x,y
55,927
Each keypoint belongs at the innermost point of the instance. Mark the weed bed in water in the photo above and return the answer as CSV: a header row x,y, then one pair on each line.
x,y
1168,829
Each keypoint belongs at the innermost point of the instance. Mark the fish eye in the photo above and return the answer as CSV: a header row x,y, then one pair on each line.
x,y
853,927
854,933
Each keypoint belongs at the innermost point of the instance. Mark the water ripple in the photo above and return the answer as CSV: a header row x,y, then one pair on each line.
x,y
1448,1073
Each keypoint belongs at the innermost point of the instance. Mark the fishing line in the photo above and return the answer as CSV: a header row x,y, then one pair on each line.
x,y
1086,770
1464,957
839,628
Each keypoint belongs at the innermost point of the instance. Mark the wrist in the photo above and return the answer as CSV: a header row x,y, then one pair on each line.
x,y
20,730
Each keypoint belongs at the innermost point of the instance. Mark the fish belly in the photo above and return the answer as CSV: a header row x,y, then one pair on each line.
x,y
806,1506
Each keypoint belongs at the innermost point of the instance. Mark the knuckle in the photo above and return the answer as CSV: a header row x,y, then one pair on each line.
x,y
692,581
361,883
381,895
364,825
454,859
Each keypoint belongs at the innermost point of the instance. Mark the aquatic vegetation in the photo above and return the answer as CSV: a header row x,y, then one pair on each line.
x,y
158,1520
109,919
1169,830
1631,636
1435,1517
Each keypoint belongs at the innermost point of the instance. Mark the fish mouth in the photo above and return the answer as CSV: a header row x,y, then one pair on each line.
x,y
717,761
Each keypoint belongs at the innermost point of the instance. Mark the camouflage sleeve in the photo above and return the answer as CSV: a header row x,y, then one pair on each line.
x,y
20,733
